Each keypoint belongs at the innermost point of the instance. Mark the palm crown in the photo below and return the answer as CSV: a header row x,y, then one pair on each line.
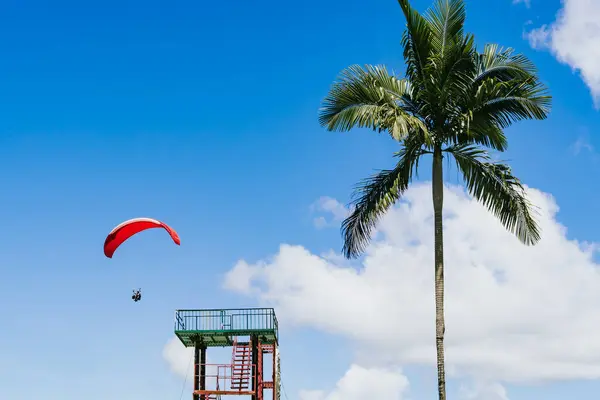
x,y
454,100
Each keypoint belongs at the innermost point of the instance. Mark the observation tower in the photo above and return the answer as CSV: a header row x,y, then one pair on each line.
x,y
252,333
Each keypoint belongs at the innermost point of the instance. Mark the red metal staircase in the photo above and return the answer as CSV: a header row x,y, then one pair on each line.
x,y
241,367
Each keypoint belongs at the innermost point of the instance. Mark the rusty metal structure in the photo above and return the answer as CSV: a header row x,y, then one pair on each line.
x,y
253,335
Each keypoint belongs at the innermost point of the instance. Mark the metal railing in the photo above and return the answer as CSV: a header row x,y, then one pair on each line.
x,y
223,378
248,319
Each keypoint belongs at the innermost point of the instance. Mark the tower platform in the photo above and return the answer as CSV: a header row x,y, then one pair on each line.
x,y
221,327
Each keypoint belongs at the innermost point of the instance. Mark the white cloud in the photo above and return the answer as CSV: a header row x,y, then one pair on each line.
x,y
364,383
527,3
179,358
574,39
332,208
582,144
484,391
514,313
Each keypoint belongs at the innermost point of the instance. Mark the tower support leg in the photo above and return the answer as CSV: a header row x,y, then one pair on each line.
x,y
255,372
203,370
274,379
196,369
260,373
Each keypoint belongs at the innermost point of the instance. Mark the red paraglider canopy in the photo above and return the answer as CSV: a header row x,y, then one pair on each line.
x,y
127,229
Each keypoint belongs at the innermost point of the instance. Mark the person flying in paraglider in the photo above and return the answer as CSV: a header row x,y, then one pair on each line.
x,y
127,229
137,295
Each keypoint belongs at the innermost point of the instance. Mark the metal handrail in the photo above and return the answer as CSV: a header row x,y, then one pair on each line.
x,y
226,319
223,375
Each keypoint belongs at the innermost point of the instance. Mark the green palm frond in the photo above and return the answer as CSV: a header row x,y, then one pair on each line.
x,y
498,189
495,104
375,195
502,64
416,41
481,132
369,98
453,76
504,103
446,21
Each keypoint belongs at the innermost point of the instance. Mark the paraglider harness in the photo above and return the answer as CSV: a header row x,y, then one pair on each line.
x,y
137,295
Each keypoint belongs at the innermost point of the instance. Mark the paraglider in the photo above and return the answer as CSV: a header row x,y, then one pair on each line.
x,y
127,229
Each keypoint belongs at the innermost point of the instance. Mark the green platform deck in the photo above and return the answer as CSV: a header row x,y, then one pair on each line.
x,y
218,328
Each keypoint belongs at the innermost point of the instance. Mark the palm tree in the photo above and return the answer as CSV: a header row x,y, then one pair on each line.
x,y
454,101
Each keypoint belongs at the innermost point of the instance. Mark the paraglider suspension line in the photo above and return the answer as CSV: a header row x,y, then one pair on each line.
x,y
186,376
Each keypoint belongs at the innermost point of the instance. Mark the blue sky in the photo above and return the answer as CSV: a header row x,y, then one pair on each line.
x,y
205,116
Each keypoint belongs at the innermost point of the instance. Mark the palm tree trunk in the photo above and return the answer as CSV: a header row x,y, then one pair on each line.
x,y
440,328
